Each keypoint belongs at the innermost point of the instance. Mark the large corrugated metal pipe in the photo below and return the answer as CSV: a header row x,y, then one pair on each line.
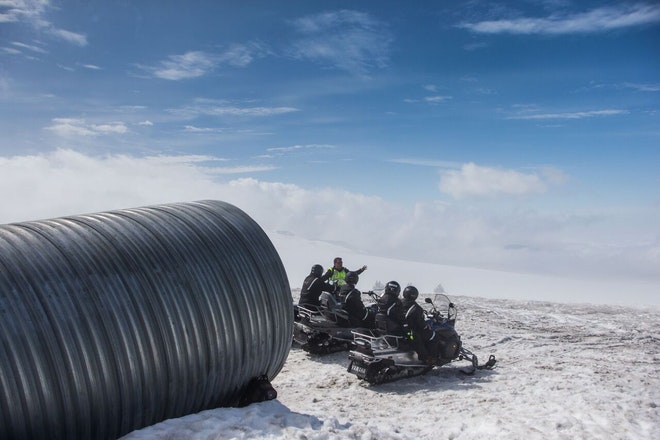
x,y
114,321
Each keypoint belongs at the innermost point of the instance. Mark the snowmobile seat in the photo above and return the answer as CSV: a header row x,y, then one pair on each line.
x,y
388,326
333,310
306,312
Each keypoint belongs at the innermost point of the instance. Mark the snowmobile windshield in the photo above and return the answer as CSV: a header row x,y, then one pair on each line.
x,y
442,304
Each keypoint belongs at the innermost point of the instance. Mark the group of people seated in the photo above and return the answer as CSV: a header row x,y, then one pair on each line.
x,y
391,315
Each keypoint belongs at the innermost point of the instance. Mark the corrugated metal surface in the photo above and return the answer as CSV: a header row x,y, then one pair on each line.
x,y
114,321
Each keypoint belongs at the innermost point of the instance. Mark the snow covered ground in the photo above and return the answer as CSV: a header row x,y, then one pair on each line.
x,y
564,371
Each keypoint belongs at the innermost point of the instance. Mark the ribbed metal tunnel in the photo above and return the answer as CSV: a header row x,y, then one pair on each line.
x,y
114,321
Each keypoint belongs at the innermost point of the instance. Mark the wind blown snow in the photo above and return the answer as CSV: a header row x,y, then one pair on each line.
x,y
564,371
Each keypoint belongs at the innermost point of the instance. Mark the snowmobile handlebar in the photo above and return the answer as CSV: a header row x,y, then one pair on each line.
x,y
434,310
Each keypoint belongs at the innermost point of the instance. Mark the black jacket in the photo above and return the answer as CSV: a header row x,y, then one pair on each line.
x,y
414,316
312,288
423,338
351,298
390,318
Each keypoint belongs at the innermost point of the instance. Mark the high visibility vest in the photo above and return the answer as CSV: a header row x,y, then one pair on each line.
x,y
338,276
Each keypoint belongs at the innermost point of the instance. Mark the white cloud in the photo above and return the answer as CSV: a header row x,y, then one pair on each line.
x,y
241,55
299,147
475,46
477,181
33,12
644,87
206,108
22,10
118,127
11,51
597,20
436,99
572,115
426,162
194,64
245,169
347,40
250,111
189,65
70,127
194,129
182,159
30,47
68,36
67,127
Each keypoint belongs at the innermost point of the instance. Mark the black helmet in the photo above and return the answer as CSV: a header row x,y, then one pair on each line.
x,y
410,293
392,287
352,278
317,270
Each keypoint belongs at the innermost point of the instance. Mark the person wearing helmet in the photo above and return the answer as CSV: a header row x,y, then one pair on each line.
x,y
337,273
313,285
389,318
424,340
351,298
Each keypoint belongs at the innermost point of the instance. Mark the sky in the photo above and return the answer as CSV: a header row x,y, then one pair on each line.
x,y
519,136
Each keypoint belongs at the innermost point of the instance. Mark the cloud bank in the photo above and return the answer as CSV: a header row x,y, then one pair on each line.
x,y
66,182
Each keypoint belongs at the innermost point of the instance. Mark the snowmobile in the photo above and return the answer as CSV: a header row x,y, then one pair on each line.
x,y
325,329
385,358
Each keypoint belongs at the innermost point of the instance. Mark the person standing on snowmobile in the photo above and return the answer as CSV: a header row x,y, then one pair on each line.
x,y
337,273
425,340
390,318
313,285
351,298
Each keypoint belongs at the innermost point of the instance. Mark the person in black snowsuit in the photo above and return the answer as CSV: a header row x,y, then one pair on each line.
x,y
351,299
424,340
390,318
313,285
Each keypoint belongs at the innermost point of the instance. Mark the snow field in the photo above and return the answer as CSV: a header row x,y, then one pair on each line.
x,y
564,371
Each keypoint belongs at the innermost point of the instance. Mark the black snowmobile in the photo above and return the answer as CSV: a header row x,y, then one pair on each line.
x,y
386,358
325,329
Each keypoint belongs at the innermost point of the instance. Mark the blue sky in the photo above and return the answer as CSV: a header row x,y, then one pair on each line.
x,y
518,135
